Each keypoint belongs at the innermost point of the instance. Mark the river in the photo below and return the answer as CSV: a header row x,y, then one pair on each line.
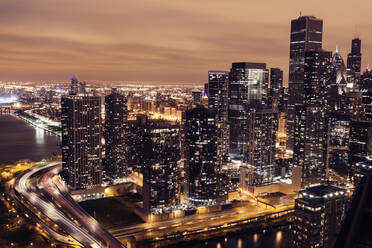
x,y
272,238
20,140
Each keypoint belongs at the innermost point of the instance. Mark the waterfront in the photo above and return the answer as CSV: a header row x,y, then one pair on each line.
x,y
271,238
20,140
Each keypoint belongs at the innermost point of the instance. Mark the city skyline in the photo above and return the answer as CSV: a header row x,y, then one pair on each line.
x,y
250,142
163,42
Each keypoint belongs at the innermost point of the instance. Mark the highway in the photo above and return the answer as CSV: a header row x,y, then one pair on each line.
x,y
41,192
57,191
199,223
83,232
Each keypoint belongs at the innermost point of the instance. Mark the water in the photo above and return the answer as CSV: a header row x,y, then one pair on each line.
x,y
20,140
271,238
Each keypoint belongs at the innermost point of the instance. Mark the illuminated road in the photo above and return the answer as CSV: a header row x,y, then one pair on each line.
x,y
57,191
197,223
93,236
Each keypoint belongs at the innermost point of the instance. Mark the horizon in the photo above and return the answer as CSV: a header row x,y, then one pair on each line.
x,y
156,42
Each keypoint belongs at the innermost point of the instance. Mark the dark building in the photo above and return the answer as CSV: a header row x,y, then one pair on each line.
x,y
81,141
355,230
115,133
260,153
276,79
319,212
161,152
311,123
354,60
196,97
306,35
360,144
338,142
248,84
218,101
360,169
366,81
200,156
367,105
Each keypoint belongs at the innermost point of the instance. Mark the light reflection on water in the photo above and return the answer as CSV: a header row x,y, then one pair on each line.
x,y
39,136
19,140
269,238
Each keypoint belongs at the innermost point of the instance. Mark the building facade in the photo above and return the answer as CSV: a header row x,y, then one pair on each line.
x,y
319,212
217,101
161,174
81,141
354,60
306,35
248,84
261,147
116,118
200,156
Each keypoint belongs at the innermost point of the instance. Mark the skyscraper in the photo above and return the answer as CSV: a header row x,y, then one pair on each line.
x,y
310,126
319,212
276,79
115,134
161,173
200,155
74,87
354,59
248,84
260,152
306,35
81,141
360,144
217,101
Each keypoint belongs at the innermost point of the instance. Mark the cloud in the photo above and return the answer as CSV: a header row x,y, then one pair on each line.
x,y
161,40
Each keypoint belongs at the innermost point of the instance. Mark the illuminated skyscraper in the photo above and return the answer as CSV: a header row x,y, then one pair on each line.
x,y
310,127
260,150
81,141
247,91
217,101
319,212
161,154
200,155
115,134
306,35
354,59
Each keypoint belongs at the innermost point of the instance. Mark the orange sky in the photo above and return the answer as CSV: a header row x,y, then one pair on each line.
x,y
163,40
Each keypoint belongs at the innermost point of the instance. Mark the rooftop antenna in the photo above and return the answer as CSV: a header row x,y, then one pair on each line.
x,y
300,14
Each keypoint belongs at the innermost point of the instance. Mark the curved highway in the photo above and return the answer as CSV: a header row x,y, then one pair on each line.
x,y
58,192
87,231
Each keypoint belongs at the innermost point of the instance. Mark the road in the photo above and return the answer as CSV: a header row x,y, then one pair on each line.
x,y
197,223
41,199
57,191
40,190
